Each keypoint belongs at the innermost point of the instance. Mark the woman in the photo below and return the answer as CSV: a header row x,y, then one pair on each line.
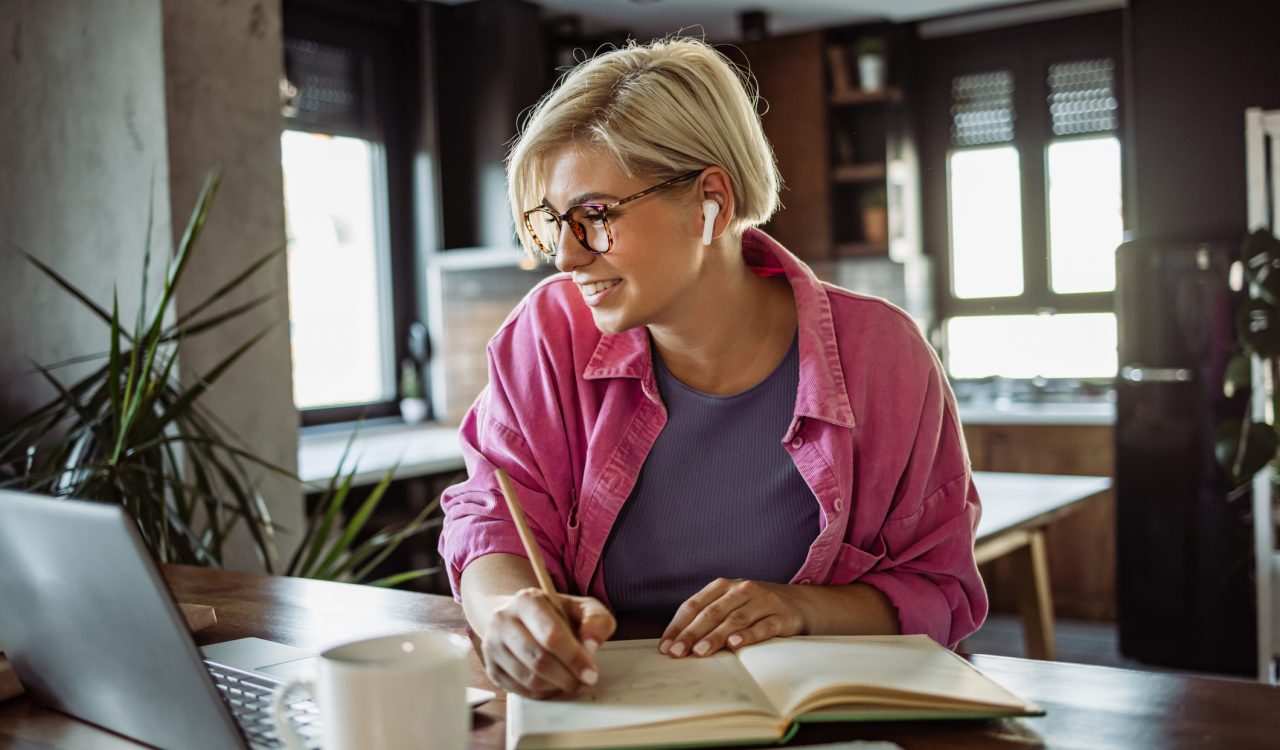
x,y
698,428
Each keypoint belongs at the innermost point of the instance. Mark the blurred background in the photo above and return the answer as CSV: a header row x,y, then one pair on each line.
x,y
976,163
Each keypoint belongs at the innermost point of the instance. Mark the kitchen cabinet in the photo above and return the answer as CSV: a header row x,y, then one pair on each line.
x,y
1081,546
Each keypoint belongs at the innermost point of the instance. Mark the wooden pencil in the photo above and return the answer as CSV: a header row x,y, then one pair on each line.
x,y
530,544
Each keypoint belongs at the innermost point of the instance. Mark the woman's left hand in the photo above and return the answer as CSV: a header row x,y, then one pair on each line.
x,y
733,614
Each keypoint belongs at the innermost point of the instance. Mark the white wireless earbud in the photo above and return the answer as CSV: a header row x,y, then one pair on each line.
x,y
710,210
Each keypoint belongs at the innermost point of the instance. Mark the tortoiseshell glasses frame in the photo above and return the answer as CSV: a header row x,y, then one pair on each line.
x,y
580,214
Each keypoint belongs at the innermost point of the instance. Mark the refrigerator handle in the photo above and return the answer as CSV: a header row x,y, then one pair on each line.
x,y
1140,374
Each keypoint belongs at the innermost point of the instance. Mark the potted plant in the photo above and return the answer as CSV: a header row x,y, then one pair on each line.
x,y
870,53
413,404
130,432
1244,446
875,216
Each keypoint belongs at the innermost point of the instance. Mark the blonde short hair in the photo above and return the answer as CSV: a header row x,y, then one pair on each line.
x,y
660,109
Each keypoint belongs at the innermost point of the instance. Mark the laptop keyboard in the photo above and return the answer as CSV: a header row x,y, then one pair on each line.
x,y
249,698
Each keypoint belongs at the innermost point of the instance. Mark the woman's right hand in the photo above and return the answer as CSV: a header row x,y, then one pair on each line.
x,y
530,650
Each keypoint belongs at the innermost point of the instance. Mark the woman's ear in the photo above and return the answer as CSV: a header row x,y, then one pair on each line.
x,y
717,202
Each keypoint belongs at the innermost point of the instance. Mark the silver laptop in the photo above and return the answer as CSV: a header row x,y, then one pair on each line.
x,y
91,630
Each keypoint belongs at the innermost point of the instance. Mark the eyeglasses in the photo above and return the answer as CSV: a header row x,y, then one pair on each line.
x,y
588,221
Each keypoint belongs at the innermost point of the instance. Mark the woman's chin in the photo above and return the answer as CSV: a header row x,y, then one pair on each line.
x,y
610,322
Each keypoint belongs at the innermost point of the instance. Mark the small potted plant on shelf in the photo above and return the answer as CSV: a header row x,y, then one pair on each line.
x,y
875,216
870,53
413,404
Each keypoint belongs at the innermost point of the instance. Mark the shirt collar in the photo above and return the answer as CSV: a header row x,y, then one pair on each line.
x,y
822,394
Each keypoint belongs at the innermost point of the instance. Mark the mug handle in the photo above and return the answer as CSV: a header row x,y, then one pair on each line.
x,y
283,726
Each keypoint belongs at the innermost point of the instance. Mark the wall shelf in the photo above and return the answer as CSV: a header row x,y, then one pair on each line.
x,y
855,97
860,249
854,173
838,147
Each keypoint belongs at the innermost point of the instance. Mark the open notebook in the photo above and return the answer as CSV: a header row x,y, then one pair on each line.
x,y
758,694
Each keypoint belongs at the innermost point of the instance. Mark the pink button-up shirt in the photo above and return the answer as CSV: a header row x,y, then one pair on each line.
x,y
571,414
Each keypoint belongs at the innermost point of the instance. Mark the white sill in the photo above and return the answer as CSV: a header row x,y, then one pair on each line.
x,y
420,450
1006,412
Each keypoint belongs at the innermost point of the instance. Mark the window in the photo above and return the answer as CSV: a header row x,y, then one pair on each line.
x,y
339,350
345,154
1066,345
986,222
1024,126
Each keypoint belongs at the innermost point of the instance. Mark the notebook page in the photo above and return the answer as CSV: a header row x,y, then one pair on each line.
x,y
640,686
789,670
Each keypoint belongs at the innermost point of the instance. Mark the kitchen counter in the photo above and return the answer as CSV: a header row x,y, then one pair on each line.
x,y
1004,411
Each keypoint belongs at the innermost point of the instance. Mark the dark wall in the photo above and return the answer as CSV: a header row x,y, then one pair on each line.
x,y
491,65
1194,67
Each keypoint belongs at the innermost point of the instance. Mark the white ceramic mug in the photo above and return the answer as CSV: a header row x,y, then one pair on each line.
x,y
400,691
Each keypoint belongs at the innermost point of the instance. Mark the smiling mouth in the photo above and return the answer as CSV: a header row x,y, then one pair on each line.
x,y
596,287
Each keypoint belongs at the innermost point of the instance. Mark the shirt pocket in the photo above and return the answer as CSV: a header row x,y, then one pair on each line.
x,y
851,563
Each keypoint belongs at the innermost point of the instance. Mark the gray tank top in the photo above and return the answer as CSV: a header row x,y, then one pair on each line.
x,y
717,497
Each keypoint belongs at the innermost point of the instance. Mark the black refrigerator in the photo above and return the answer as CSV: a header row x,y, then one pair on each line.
x,y
1184,561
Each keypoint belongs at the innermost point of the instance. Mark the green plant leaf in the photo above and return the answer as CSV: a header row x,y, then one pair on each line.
x,y
229,287
387,543
217,320
248,508
136,393
356,524
183,404
328,517
132,378
218,444
146,253
1243,447
1261,257
246,504
205,489
70,288
1238,376
325,508
113,360
61,364
176,267
71,400
1258,326
399,578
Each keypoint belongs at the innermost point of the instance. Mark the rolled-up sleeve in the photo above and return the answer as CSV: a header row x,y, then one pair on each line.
x,y
928,570
476,519
925,562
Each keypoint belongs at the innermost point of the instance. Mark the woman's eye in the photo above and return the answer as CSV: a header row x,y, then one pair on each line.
x,y
594,218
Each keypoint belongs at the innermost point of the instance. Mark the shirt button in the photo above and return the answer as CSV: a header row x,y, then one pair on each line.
x,y
797,441
839,505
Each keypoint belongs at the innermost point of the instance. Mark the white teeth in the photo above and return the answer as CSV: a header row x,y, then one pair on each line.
x,y
596,287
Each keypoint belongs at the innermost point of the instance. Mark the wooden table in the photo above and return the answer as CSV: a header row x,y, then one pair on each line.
x,y
1016,510
1088,707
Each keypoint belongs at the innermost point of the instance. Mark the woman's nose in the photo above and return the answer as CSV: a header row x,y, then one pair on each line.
x,y
571,253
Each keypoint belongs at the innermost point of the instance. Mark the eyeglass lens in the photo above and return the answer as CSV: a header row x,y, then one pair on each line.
x,y
587,224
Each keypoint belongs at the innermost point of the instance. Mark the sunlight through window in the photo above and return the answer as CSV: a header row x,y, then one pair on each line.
x,y
1028,346
339,327
986,222
1085,223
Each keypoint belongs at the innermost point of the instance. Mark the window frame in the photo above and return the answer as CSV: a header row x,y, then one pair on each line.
x,y
384,34
1026,51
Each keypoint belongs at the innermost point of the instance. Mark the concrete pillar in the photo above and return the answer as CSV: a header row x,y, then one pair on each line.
x,y
82,135
222,67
